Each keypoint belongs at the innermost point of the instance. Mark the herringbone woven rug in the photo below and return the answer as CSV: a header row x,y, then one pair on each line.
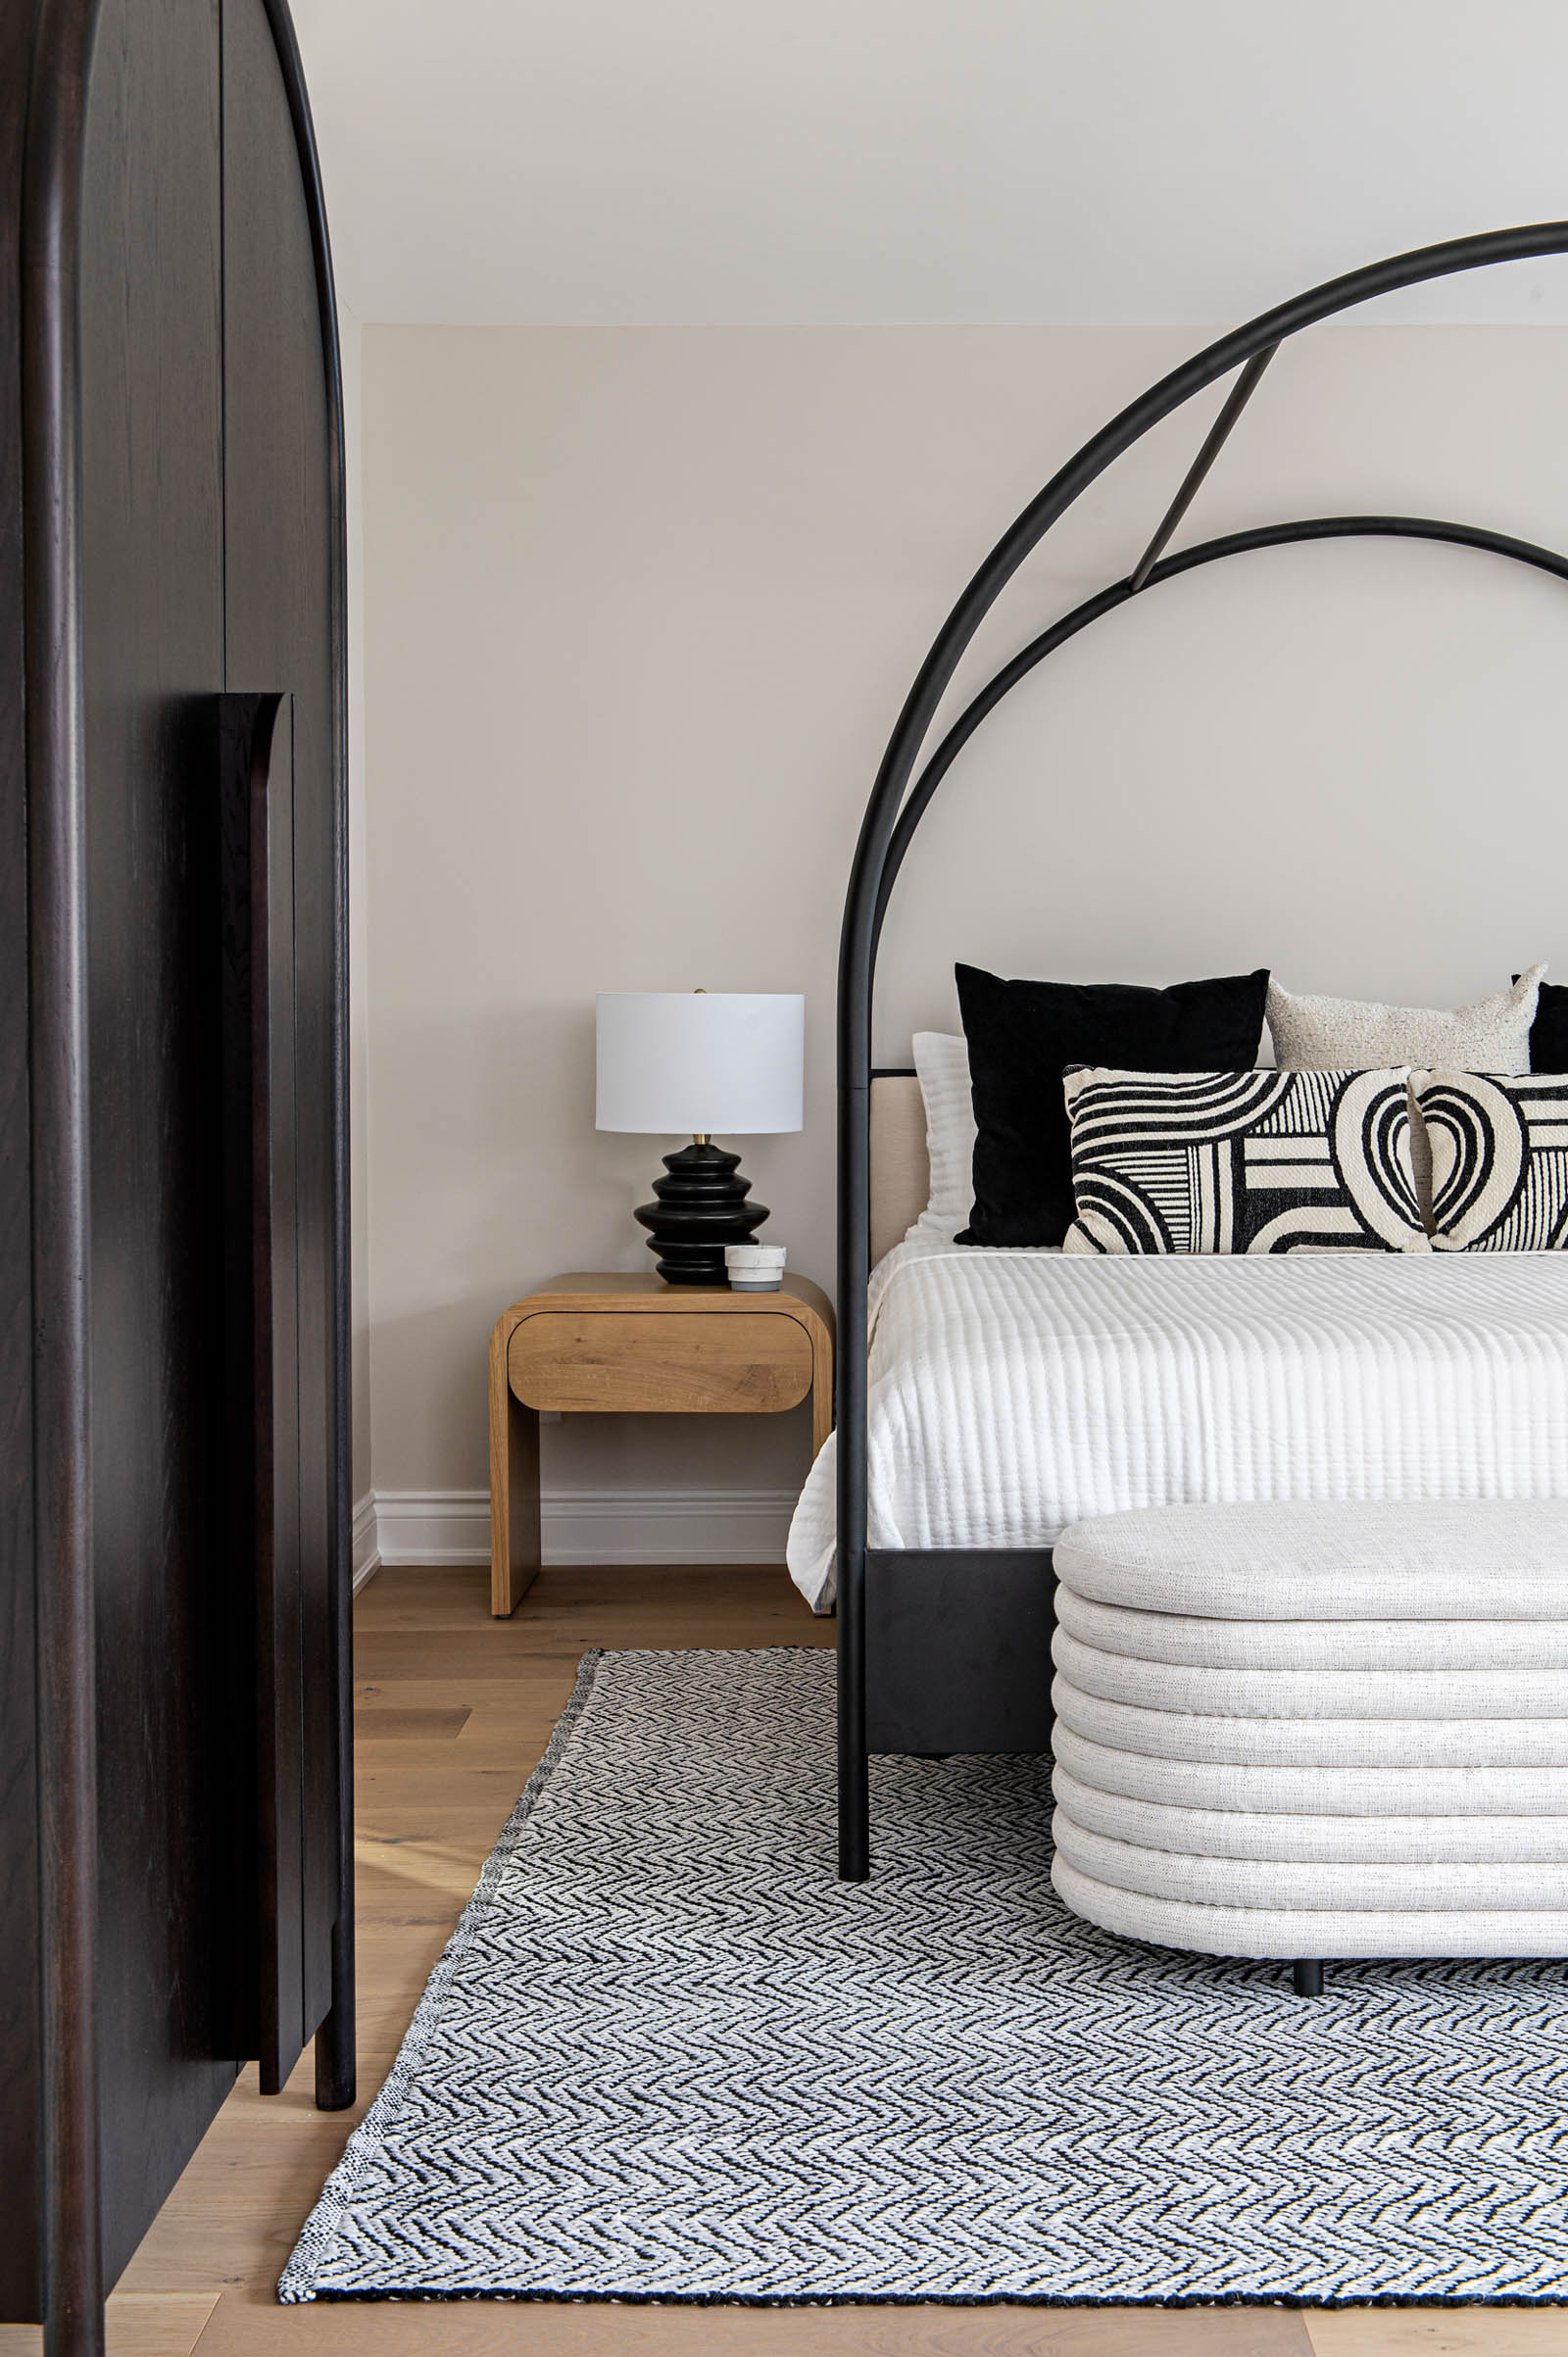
x,y
667,2056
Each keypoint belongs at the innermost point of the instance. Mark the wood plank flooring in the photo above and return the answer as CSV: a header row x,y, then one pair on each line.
x,y
454,1711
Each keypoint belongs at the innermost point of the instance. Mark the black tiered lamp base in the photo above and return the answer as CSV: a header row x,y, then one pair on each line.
x,y
701,1206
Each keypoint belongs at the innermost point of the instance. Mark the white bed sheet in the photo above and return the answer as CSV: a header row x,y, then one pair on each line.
x,y
1013,1391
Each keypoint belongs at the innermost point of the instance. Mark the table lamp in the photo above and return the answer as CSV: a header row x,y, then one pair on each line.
x,y
701,1061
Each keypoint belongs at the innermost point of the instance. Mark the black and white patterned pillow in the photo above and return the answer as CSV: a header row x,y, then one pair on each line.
x,y
1499,1160
1242,1162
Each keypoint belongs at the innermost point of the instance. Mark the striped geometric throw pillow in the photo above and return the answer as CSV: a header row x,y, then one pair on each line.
x,y
1242,1162
1499,1160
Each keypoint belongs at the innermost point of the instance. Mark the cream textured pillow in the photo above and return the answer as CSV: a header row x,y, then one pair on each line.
x,y
1337,1035
941,1061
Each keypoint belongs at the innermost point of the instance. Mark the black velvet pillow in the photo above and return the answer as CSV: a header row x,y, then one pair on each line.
x,y
1548,1033
1021,1035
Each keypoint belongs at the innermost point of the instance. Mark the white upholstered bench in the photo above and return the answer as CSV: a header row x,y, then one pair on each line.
x,y
1316,1731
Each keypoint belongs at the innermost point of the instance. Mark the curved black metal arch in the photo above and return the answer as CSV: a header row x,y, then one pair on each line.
x,y
866,899
1121,593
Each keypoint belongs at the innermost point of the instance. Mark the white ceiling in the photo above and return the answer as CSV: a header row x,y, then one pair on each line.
x,y
1057,161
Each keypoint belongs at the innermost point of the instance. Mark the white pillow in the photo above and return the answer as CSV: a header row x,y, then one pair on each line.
x,y
941,1061
1338,1035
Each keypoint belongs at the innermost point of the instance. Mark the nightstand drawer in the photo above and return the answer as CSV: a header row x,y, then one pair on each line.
x,y
688,1364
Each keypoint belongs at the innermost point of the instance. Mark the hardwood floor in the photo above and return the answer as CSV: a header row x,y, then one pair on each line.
x,y
454,1709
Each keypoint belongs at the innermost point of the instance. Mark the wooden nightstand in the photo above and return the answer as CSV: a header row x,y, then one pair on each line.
x,y
607,1344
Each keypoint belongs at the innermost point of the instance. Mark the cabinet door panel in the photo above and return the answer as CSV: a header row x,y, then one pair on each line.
x,y
152,658
280,627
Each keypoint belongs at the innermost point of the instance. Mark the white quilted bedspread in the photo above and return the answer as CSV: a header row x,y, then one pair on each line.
x,y
1013,1391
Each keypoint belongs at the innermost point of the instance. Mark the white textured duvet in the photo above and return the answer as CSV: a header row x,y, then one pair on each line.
x,y
1013,1391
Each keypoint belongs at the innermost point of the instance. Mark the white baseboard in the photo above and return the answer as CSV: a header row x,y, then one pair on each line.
x,y
432,1526
665,1526
366,1554
589,1526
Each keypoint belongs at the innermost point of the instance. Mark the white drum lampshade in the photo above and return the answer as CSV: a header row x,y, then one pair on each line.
x,y
700,1062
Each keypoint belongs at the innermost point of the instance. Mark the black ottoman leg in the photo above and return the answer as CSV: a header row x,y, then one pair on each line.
x,y
1309,1980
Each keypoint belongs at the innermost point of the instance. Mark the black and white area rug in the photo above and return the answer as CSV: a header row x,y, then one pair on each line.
x,y
667,2056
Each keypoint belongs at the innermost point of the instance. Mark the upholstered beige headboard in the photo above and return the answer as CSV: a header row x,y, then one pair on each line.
x,y
901,1171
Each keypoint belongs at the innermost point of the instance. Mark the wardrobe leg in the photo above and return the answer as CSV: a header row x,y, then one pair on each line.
x,y
77,2333
335,2040
1309,1980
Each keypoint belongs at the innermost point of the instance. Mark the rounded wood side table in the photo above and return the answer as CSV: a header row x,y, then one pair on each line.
x,y
621,1343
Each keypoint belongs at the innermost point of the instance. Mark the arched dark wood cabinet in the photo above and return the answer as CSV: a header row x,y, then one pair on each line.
x,y
174,1517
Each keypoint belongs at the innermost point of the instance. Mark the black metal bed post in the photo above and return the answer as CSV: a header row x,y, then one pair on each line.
x,y
849,1384
865,899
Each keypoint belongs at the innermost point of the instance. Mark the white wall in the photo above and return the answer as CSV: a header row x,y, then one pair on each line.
x,y
1125,160
640,608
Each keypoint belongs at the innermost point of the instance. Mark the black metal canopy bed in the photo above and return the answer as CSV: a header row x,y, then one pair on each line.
x,y
946,1647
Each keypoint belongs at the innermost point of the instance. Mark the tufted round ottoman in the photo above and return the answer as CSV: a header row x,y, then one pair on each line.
x,y
1313,1731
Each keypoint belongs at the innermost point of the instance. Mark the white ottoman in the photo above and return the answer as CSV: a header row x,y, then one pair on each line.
x,y
1315,1730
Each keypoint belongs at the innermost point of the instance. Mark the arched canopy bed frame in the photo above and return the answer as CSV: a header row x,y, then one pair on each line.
x,y
976,1625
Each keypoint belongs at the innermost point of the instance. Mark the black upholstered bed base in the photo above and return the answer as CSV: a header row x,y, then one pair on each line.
x,y
958,1650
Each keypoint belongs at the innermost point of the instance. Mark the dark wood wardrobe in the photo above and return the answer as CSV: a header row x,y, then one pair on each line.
x,y
175,1858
